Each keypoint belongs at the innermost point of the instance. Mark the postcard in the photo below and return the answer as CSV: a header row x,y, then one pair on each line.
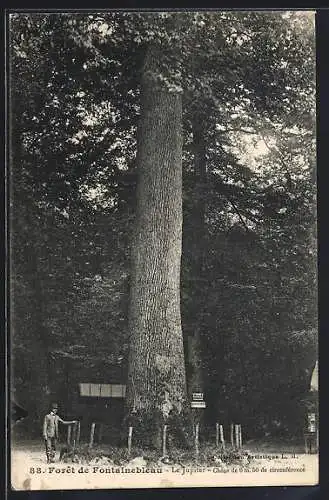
x,y
162,248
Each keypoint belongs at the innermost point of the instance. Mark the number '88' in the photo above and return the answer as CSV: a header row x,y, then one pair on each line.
x,y
36,470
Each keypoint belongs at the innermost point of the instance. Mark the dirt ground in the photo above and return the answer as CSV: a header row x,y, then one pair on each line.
x,y
262,464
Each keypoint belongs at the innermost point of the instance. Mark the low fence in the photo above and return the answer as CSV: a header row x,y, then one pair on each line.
x,y
222,437
219,436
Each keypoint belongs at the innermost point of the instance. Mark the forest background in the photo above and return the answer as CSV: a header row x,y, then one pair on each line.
x,y
246,86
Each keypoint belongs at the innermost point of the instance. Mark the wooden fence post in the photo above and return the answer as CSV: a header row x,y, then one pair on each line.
x,y
164,440
197,441
78,433
236,428
92,432
74,437
222,440
69,434
232,435
130,434
217,434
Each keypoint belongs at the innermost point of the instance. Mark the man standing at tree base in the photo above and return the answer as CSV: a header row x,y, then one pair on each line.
x,y
50,431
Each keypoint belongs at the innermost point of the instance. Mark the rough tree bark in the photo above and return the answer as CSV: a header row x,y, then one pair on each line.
x,y
156,373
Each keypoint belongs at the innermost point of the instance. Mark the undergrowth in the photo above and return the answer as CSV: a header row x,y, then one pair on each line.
x,y
106,454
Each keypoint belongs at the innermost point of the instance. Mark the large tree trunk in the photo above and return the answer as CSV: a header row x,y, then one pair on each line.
x,y
156,374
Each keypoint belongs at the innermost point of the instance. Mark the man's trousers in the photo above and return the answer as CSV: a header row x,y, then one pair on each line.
x,y
50,443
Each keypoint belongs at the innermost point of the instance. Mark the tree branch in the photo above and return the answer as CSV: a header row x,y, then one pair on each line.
x,y
238,212
237,129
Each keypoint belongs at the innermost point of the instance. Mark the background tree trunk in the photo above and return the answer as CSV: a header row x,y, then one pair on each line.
x,y
156,373
24,268
195,370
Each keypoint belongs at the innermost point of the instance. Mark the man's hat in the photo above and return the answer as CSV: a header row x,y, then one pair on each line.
x,y
54,406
